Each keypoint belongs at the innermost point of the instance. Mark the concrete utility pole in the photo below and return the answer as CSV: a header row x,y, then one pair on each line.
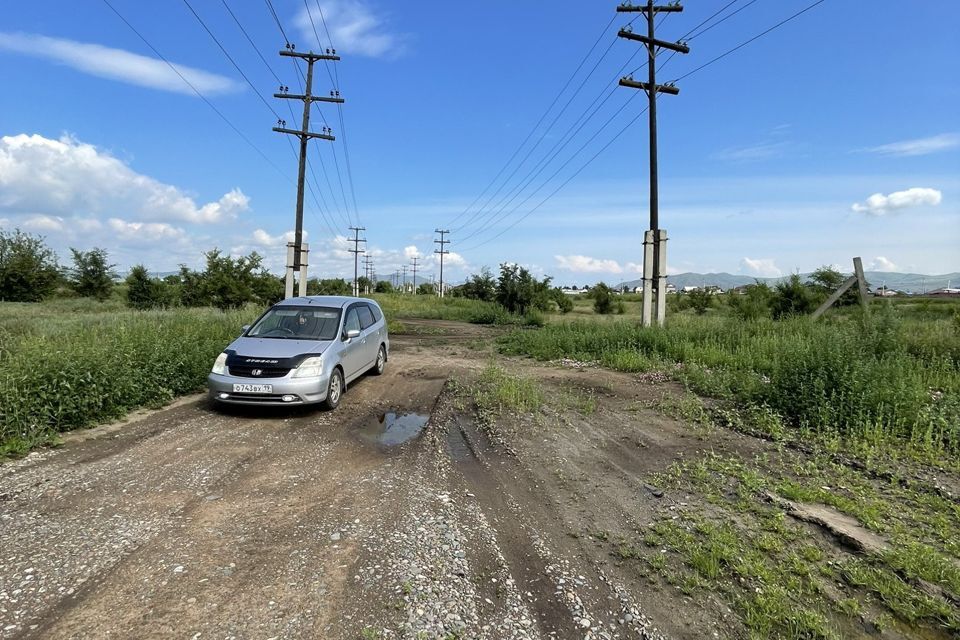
x,y
404,278
298,264
442,252
655,239
415,260
396,279
356,251
367,270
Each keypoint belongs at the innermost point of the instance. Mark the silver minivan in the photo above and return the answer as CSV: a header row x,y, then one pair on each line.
x,y
301,351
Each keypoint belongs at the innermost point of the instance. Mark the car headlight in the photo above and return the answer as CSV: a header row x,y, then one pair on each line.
x,y
220,364
309,368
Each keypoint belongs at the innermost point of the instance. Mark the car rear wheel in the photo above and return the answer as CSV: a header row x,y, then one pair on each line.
x,y
335,390
381,361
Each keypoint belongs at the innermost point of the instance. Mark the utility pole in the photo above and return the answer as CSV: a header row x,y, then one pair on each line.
x,y
396,279
356,251
404,279
442,252
304,134
655,239
367,270
415,260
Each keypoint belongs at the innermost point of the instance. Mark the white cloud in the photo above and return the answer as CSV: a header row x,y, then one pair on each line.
x,y
43,223
879,204
760,151
881,264
355,28
919,146
117,64
411,252
762,267
145,232
65,177
263,239
586,264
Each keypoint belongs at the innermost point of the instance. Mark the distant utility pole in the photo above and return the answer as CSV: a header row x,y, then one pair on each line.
x,y
396,279
304,134
367,270
415,260
442,252
356,251
655,239
404,278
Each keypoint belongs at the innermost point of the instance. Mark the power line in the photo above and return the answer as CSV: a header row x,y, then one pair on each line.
x,y
564,183
746,42
540,120
503,216
718,22
197,91
565,139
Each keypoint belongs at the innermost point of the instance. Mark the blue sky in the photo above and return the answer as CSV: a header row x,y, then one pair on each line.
x,y
825,139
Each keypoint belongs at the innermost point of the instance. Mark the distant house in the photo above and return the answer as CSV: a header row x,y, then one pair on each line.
x,y
946,292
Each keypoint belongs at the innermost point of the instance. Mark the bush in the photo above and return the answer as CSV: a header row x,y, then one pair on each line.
x,y
792,298
480,286
28,267
383,286
329,287
229,283
91,275
753,303
144,292
426,289
518,291
564,303
603,301
700,300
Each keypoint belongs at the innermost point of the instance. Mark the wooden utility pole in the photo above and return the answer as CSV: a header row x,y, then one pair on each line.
x,y
655,241
404,278
415,260
356,251
304,134
441,252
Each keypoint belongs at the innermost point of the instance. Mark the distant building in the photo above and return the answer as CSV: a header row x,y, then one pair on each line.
x,y
946,292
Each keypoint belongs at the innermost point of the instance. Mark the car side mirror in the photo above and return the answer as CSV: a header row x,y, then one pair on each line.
x,y
244,328
350,334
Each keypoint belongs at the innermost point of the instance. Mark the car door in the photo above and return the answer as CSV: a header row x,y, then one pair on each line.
x,y
352,356
370,338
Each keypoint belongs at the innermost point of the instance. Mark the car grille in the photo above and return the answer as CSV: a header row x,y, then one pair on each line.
x,y
247,372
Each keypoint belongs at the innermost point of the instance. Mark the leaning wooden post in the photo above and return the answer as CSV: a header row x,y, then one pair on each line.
x,y
862,282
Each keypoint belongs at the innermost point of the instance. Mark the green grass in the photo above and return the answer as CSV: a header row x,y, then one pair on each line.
x,y
71,364
398,306
879,382
497,390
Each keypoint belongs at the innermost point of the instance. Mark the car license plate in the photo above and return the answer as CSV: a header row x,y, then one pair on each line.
x,y
253,388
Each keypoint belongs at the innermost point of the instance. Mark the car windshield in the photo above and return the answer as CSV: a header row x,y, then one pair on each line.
x,y
298,323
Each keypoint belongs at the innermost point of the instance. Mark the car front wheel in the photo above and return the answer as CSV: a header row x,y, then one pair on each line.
x,y
335,390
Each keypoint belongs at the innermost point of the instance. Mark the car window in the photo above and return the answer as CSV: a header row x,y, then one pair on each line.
x,y
353,321
297,323
377,315
366,317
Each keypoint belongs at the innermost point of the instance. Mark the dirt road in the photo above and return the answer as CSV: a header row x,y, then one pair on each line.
x,y
394,516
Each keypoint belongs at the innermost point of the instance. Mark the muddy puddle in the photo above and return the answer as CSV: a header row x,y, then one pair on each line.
x,y
391,429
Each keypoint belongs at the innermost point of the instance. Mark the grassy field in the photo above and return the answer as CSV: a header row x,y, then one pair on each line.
x,y
69,364
889,380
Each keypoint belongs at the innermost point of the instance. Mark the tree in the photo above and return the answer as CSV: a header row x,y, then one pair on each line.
x,y
700,300
480,286
91,276
518,291
426,289
329,287
604,300
792,297
28,267
144,292
384,286
825,280
364,284
228,283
